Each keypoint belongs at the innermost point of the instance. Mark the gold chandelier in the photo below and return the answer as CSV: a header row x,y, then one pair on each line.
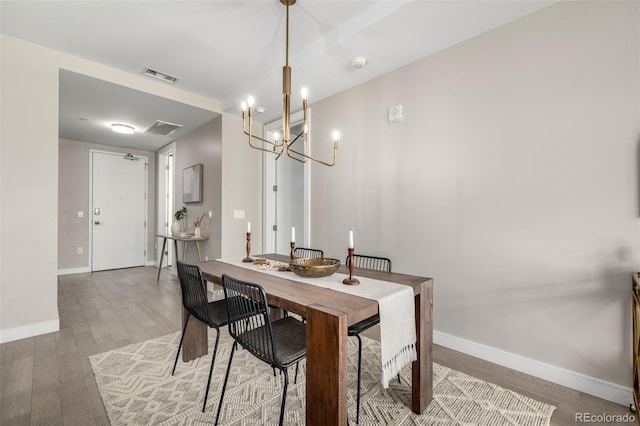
x,y
284,145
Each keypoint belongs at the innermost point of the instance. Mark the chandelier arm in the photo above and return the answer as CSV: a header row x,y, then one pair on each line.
x,y
277,145
270,151
335,150
294,158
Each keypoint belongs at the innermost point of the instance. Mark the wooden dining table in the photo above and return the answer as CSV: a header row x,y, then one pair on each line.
x,y
328,314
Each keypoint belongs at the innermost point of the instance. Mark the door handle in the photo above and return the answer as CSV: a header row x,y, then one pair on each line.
x,y
97,222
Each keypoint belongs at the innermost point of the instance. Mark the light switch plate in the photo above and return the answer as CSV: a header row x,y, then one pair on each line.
x,y
238,214
80,213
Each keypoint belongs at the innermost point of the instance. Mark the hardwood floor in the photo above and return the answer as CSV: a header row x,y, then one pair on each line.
x,y
47,380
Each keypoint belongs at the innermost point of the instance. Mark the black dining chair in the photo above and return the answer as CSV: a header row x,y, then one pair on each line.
x,y
301,252
280,343
377,264
194,300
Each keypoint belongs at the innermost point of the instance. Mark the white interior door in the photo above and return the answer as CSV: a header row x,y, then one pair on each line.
x,y
118,190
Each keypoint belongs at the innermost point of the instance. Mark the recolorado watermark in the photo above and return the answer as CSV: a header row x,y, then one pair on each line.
x,y
605,418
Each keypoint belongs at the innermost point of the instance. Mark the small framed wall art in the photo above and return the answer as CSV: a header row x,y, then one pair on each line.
x,y
192,184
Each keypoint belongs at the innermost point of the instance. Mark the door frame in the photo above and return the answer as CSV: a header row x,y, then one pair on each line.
x,y
146,197
169,149
269,215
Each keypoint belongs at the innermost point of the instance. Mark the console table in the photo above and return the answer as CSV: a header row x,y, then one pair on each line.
x,y
185,240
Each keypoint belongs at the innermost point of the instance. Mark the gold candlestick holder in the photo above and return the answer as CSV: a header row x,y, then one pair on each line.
x,y
293,246
248,258
351,280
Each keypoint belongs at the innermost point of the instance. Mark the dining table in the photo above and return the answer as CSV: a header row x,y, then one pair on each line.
x,y
328,314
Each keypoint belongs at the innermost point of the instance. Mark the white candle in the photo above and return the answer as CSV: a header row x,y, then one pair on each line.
x,y
248,227
293,234
350,238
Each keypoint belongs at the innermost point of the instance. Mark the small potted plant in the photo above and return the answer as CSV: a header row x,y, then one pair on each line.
x,y
176,226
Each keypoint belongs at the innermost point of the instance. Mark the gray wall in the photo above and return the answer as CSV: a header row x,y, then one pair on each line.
x,y
512,182
203,145
73,195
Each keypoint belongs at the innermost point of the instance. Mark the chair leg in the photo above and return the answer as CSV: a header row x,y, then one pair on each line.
x,y
226,378
295,379
284,396
180,345
359,370
213,359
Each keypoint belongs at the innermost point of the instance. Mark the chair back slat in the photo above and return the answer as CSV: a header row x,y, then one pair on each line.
x,y
249,320
194,293
370,262
301,252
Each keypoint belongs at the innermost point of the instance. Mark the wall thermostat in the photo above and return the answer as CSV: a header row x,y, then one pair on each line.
x,y
395,114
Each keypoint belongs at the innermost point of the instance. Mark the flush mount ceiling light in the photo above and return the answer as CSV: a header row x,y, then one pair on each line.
x,y
285,145
122,128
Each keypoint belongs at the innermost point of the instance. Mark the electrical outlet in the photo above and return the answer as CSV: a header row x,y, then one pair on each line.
x,y
80,213
80,250
210,214
206,258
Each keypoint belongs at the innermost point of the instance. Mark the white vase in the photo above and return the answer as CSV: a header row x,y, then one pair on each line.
x,y
196,233
176,227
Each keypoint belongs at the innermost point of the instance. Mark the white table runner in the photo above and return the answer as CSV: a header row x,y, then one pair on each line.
x,y
395,304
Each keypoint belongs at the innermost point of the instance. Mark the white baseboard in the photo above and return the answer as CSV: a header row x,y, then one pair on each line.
x,y
600,388
71,271
151,263
18,333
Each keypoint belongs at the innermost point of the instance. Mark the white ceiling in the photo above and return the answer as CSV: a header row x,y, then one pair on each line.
x,y
229,49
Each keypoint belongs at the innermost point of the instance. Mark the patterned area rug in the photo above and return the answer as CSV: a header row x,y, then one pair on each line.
x,y
137,388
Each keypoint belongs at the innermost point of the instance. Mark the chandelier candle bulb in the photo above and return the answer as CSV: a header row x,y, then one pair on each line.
x,y
350,238
248,227
293,234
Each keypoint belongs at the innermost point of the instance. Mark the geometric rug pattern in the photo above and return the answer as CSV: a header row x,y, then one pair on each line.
x,y
137,388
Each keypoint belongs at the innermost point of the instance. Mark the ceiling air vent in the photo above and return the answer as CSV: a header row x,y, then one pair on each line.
x,y
162,128
160,75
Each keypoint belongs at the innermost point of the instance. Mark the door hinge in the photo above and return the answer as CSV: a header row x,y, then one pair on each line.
x,y
145,223
166,167
145,252
275,188
275,227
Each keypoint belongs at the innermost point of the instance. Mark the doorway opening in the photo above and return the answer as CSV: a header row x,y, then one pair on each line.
x,y
286,193
166,183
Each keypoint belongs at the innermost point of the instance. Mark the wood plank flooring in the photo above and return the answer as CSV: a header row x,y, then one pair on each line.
x,y
47,380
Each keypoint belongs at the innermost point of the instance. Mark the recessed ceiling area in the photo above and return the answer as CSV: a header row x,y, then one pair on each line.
x,y
89,106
